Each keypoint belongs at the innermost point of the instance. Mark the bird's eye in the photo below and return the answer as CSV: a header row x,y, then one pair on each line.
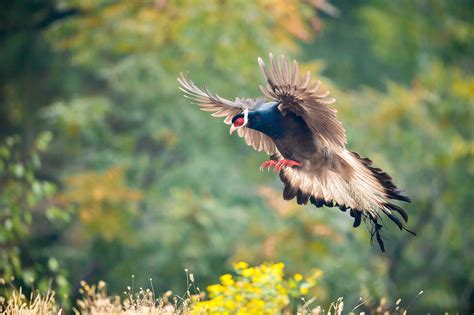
x,y
239,122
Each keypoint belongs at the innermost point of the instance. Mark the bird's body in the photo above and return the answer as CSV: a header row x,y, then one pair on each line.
x,y
306,144
284,130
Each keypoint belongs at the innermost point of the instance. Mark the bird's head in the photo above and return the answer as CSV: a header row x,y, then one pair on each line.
x,y
265,119
239,121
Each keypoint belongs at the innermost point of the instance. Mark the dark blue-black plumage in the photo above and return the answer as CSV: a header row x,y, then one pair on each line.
x,y
289,132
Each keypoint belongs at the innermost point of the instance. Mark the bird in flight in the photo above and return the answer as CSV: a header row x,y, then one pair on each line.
x,y
294,124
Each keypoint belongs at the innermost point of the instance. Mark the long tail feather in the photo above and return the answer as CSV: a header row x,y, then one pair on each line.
x,y
356,186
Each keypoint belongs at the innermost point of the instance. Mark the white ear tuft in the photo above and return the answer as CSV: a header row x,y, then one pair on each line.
x,y
246,116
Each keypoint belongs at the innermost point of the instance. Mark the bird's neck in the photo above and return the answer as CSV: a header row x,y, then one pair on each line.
x,y
274,131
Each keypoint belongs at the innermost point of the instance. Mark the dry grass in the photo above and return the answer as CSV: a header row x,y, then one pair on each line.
x,y
95,300
18,303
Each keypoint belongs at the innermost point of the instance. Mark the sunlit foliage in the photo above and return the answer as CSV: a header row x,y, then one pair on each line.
x,y
102,198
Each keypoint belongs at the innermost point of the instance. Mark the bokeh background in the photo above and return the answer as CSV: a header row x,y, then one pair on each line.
x,y
106,170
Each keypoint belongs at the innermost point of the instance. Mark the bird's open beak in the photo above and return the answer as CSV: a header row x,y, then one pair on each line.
x,y
234,128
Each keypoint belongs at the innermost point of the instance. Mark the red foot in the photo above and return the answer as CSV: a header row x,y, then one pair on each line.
x,y
278,165
286,163
268,164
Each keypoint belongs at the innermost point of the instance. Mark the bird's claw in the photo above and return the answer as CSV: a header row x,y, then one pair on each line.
x,y
286,163
278,165
268,164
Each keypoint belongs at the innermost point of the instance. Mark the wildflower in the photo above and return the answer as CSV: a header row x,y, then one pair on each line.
x,y
298,277
304,290
279,266
241,265
239,297
247,272
230,304
226,280
215,289
254,290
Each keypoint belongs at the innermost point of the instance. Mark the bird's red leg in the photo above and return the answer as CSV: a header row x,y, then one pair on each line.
x,y
267,164
278,165
286,163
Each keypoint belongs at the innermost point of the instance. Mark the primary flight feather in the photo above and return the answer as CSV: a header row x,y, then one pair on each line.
x,y
294,124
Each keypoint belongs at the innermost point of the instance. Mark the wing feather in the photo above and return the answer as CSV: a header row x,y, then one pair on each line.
x,y
221,107
300,96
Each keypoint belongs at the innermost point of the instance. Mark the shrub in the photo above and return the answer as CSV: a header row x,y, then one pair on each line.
x,y
256,290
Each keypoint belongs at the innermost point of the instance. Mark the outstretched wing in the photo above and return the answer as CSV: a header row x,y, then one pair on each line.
x,y
221,107
301,97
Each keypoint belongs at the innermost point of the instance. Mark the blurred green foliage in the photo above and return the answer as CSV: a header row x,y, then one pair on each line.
x,y
27,211
138,181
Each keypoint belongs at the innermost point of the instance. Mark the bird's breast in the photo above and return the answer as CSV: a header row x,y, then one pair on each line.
x,y
297,142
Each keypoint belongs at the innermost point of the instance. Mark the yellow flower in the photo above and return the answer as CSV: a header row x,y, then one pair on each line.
x,y
281,290
256,305
304,290
239,297
279,266
255,290
215,288
230,305
240,265
226,280
298,277
247,272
